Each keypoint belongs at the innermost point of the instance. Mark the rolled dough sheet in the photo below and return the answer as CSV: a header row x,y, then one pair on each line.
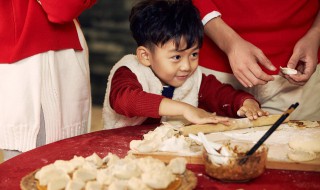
x,y
277,142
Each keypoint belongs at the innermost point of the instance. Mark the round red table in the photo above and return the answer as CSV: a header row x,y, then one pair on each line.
x,y
117,141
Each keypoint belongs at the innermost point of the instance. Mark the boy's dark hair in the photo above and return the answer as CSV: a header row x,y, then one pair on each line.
x,y
155,22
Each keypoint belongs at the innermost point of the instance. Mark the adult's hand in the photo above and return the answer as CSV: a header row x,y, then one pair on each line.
x,y
244,60
243,56
305,56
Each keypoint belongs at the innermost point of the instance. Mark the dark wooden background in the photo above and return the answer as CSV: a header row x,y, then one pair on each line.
x,y
106,28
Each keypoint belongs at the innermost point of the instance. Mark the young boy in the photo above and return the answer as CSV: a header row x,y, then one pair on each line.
x,y
163,78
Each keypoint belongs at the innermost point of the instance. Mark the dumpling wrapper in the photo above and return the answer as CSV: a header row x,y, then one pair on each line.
x,y
288,71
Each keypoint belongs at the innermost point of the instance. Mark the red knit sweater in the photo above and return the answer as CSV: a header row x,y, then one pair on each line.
x,y
128,98
272,26
28,28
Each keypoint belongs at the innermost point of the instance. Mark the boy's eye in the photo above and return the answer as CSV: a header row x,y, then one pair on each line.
x,y
176,57
195,54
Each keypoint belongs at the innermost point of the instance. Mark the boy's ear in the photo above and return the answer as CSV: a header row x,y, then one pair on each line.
x,y
143,55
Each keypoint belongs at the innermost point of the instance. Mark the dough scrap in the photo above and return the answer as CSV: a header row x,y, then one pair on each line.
x,y
303,124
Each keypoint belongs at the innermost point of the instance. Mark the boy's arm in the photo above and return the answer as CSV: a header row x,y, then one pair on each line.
x,y
128,98
193,114
221,98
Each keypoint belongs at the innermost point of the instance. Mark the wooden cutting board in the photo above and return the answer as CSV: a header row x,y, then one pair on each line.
x,y
272,163
313,165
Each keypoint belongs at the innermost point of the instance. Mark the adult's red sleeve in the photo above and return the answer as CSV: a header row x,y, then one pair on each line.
x,y
59,11
128,98
221,98
205,7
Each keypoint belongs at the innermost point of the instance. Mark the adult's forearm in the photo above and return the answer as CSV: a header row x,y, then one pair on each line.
x,y
222,34
315,28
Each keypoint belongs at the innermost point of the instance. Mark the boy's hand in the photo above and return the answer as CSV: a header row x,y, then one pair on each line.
x,y
200,116
251,110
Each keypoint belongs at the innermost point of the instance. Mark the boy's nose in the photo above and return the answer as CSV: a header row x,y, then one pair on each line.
x,y
185,66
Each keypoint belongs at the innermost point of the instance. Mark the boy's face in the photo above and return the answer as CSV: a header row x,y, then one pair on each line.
x,y
173,67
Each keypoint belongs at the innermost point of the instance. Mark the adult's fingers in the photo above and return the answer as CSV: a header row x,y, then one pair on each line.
x,y
293,61
260,77
249,78
243,80
304,73
292,80
264,61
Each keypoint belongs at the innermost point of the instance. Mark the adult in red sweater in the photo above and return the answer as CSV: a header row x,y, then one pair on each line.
x,y
44,73
163,79
247,41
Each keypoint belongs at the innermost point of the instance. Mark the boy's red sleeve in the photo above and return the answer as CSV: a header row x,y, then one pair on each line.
x,y
221,98
65,11
205,7
128,98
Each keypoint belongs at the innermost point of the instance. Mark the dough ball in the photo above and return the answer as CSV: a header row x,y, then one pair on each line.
x,y
305,142
301,156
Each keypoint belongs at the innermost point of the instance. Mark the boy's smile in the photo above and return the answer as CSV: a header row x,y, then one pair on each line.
x,y
173,66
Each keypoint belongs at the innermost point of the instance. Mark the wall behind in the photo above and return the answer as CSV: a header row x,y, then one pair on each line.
x,y
106,28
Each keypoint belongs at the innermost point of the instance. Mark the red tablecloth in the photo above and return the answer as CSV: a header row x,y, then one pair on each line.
x,y
117,141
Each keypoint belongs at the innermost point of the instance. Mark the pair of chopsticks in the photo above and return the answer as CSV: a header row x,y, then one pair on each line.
x,y
269,132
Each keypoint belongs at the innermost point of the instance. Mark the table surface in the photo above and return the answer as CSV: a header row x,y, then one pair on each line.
x,y
117,141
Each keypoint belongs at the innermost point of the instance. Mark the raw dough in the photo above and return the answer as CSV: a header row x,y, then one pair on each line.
x,y
288,71
305,142
234,124
301,156
304,147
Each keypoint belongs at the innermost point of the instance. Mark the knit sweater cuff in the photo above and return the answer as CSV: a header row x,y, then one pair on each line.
x,y
21,138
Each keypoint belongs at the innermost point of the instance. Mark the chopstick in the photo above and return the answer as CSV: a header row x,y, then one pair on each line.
x,y
270,131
